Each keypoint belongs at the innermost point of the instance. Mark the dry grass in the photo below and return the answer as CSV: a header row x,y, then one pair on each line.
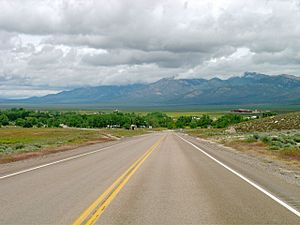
x,y
207,133
22,143
123,132
287,121
274,145
247,146
290,156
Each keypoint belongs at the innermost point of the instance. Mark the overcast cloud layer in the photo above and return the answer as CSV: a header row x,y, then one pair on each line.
x,y
52,45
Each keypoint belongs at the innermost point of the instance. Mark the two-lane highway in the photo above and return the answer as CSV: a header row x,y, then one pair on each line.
x,y
155,179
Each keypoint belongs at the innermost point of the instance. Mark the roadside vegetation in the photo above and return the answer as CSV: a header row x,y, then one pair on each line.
x,y
19,143
16,143
277,136
29,118
24,131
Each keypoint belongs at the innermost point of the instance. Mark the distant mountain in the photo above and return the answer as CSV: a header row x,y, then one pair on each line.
x,y
251,88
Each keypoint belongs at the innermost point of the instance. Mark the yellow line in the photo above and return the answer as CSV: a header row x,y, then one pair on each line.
x,y
87,211
113,190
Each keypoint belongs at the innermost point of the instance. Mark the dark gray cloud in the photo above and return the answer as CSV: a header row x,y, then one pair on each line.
x,y
61,44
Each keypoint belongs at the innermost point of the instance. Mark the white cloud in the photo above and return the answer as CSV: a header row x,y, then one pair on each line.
x,y
70,43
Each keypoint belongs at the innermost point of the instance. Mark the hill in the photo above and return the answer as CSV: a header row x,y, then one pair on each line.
x,y
288,121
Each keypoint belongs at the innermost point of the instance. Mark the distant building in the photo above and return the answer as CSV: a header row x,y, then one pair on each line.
x,y
242,110
133,127
63,125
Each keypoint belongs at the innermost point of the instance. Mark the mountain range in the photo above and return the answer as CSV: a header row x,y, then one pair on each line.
x,y
250,88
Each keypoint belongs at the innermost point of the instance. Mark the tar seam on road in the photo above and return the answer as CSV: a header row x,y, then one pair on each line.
x,y
291,209
59,161
91,214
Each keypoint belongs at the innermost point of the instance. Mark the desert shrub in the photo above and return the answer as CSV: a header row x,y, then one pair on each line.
x,y
267,114
277,144
273,147
2,148
253,138
20,146
280,142
265,139
296,137
256,136
5,149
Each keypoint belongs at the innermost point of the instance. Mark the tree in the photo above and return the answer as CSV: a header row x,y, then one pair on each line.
x,y
20,122
183,121
126,126
204,121
4,120
193,124
228,119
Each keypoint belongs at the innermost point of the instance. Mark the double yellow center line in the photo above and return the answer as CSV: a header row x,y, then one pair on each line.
x,y
94,211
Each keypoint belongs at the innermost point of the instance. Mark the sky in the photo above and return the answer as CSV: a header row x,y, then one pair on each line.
x,y
47,46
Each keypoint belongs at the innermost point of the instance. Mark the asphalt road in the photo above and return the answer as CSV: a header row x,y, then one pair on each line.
x,y
153,179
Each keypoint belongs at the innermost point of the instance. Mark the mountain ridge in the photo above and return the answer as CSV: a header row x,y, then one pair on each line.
x,y
250,88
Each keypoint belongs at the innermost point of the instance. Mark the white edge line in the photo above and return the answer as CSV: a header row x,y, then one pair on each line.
x,y
296,212
61,160
55,162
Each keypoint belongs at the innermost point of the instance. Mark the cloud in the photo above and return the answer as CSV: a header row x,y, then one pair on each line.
x,y
47,55
8,40
17,92
63,44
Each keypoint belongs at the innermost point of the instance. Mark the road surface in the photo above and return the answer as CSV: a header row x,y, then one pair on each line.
x,y
161,178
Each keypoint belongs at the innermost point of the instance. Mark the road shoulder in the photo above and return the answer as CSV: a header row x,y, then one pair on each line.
x,y
278,178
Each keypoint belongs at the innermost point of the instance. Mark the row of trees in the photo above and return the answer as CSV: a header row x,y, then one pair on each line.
x,y
29,118
205,121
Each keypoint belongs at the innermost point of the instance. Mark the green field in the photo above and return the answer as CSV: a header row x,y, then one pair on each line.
x,y
197,114
163,108
21,141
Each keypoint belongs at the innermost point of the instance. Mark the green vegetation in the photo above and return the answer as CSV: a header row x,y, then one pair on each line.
x,y
42,133
278,141
229,119
20,142
276,135
213,115
29,118
287,121
205,121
